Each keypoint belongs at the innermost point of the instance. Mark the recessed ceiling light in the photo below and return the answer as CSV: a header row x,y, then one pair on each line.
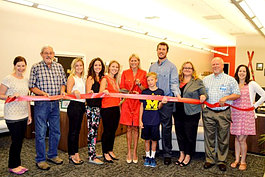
x,y
151,18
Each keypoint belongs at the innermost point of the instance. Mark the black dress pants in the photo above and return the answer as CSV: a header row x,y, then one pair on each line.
x,y
186,130
17,130
75,112
110,118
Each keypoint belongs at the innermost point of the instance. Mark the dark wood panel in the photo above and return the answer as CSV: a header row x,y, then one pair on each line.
x,y
64,126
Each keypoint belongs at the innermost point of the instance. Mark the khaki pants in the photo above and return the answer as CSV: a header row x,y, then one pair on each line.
x,y
216,127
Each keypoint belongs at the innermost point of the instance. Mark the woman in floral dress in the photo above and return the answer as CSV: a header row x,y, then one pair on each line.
x,y
243,122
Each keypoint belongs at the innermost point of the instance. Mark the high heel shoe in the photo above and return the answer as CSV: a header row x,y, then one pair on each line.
x,y
184,164
75,163
113,158
178,162
108,161
135,161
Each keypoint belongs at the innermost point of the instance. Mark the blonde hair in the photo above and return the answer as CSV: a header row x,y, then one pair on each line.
x,y
151,74
73,71
194,73
119,67
137,57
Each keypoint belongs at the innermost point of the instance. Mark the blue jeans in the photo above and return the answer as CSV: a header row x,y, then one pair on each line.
x,y
46,112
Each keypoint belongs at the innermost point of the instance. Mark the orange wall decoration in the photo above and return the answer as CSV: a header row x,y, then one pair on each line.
x,y
228,59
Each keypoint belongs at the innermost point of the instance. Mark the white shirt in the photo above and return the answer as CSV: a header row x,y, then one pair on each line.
x,y
253,89
80,86
17,109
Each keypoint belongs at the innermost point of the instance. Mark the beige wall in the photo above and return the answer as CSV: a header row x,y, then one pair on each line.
x,y
24,30
256,44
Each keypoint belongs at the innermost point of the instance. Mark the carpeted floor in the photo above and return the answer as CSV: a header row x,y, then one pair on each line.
x,y
121,168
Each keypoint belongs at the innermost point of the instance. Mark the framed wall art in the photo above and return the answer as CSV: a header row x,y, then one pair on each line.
x,y
259,66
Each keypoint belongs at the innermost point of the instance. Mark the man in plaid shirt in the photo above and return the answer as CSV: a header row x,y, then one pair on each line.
x,y
47,78
221,88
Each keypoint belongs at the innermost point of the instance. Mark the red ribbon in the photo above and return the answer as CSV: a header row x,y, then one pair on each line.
x,y
121,95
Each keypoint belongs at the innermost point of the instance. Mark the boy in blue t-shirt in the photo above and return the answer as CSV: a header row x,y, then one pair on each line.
x,y
150,118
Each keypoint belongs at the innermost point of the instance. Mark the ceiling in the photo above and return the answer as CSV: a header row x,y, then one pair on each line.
x,y
208,22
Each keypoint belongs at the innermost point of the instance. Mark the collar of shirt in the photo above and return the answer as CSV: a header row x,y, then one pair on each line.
x,y
42,62
161,62
219,75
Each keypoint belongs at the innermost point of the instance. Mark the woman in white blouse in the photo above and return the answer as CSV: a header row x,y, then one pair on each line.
x,y
17,114
76,109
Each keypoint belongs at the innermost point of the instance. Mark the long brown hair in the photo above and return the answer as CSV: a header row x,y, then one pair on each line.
x,y
91,71
247,79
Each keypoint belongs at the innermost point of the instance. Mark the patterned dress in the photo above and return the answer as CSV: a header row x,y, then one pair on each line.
x,y
243,121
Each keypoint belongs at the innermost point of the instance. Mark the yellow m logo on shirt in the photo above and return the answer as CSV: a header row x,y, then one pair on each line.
x,y
151,105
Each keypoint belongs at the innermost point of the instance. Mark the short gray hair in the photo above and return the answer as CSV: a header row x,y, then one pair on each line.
x,y
45,47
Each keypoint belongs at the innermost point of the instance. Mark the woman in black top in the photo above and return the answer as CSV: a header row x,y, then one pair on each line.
x,y
95,73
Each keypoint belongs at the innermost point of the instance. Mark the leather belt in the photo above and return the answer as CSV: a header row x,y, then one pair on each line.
x,y
217,111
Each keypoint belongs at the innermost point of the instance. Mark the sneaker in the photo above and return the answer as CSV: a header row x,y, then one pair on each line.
x,y
43,165
57,160
152,162
147,162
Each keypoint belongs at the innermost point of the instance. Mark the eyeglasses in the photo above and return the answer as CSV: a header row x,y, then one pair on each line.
x,y
48,53
187,68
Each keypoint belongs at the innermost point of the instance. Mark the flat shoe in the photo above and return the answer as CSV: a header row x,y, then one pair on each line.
x,y
25,169
167,161
222,167
99,162
129,160
56,160
242,166
99,156
234,164
17,172
208,165
43,165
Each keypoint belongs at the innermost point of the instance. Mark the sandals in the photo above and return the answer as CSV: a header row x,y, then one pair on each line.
x,y
178,162
234,164
242,166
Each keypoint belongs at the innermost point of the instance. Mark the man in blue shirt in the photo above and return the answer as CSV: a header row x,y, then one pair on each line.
x,y
168,81
221,88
